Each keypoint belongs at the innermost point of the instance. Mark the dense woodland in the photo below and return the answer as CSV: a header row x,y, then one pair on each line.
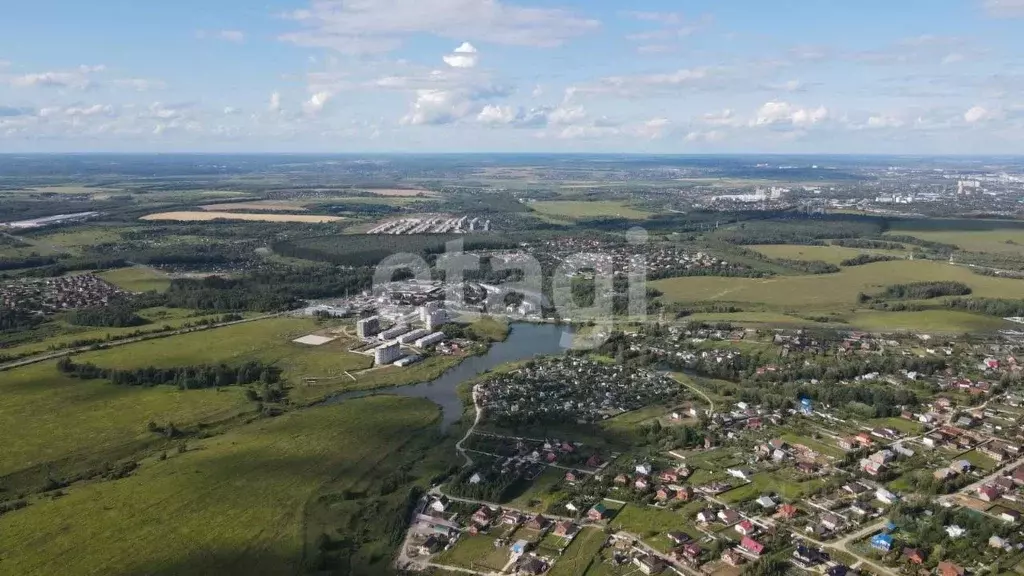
x,y
185,377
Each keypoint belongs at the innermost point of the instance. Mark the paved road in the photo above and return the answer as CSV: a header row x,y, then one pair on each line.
x,y
115,343
952,498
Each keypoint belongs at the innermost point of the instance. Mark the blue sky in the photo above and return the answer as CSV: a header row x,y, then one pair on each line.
x,y
683,76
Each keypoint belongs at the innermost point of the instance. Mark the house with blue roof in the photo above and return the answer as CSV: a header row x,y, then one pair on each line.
x,y
882,542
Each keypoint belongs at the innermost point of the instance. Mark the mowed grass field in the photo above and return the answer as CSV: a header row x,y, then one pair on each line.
x,y
202,216
46,416
237,501
137,279
947,321
830,291
831,254
580,553
582,209
1000,241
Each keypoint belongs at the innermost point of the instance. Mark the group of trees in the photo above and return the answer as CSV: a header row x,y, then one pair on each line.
x,y
117,315
920,291
990,306
863,259
185,377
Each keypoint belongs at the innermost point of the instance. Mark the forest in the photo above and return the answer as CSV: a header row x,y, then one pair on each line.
x,y
184,377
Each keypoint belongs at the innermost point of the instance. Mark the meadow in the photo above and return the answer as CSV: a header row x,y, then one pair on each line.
x,y
582,209
824,292
137,279
1008,241
580,553
239,501
831,254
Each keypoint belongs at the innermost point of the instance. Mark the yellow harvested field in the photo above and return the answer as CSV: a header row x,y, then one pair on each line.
x,y
207,216
256,206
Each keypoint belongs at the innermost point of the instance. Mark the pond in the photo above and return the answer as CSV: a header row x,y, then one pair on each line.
x,y
524,341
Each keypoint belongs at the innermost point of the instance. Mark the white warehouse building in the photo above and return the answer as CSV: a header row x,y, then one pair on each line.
x,y
413,336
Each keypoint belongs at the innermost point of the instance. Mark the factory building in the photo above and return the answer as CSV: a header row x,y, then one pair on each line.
x,y
393,333
430,340
408,360
413,336
367,327
386,353
436,319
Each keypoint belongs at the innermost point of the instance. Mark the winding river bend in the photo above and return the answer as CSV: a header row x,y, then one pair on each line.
x,y
524,341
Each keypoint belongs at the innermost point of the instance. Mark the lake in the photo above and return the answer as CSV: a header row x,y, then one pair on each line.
x,y
524,341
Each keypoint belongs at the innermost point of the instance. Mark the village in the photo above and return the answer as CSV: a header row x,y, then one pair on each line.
x,y
45,296
725,478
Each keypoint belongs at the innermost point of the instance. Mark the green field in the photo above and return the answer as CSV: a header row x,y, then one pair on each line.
x,y
949,321
649,522
476,553
67,334
238,501
824,447
900,424
137,279
831,254
573,209
579,554
1006,241
767,483
826,292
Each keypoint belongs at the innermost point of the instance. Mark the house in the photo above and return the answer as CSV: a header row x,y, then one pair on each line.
x,y
641,484
566,529
838,570
533,567
961,466
788,511
440,504
752,546
594,461
1010,516
691,552
622,479
1018,476
993,450
729,516
830,521
808,557
848,443
746,528
644,468
947,568
520,547
855,488
766,502
432,545
732,558
538,522
663,494
913,555
944,474
483,517
706,516
669,476
739,473
955,531
571,477
649,564
885,496
684,493
572,507
860,509
997,542
598,513
882,542
989,493
678,538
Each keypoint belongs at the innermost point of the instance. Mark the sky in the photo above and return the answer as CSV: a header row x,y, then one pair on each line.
x,y
647,76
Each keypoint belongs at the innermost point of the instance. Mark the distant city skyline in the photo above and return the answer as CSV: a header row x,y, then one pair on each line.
x,y
421,76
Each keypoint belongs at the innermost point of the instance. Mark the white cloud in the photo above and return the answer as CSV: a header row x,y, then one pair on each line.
x,y
654,128
692,77
723,118
784,113
465,56
275,103
435,107
78,78
367,26
231,110
94,110
978,114
317,102
1004,8
140,84
953,58
496,115
236,36
883,121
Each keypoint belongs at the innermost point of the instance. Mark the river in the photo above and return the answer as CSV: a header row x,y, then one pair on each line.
x,y
524,341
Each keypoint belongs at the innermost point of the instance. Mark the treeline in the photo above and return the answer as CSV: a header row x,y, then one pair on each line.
x,y
62,267
185,377
866,243
863,259
923,290
370,250
17,319
990,306
935,246
117,315
807,266
799,232
26,262
267,291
